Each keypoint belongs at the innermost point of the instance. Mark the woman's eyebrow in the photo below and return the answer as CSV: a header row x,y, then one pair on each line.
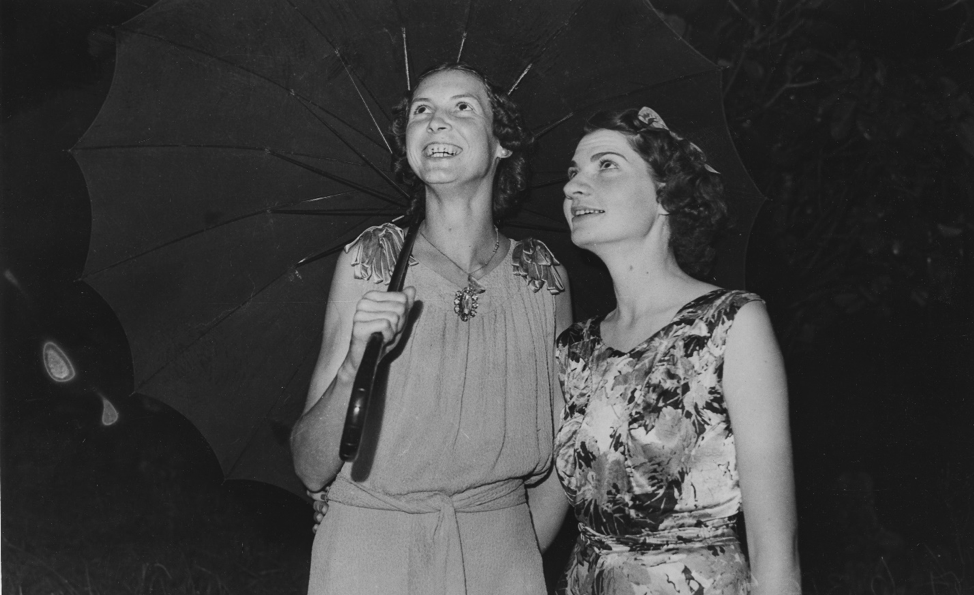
x,y
598,156
466,96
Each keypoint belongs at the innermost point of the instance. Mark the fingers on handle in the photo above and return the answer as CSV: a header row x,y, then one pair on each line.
x,y
385,324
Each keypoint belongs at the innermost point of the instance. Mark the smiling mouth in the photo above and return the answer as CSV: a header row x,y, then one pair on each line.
x,y
582,211
440,151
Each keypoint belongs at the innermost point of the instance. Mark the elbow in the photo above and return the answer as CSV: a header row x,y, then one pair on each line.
x,y
775,566
311,475
311,480
307,466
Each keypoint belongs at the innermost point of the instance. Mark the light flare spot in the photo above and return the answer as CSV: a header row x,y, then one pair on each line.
x,y
57,363
109,415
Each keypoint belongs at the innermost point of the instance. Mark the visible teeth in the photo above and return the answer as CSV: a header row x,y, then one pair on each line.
x,y
579,212
442,151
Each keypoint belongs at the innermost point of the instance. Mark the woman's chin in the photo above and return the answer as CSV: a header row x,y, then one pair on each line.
x,y
584,238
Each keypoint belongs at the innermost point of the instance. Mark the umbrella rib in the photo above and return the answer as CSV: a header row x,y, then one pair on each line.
x,y
220,224
264,416
463,41
466,28
342,180
365,103
544,47
553,182
405,58
271,81
361,156
644,89
351,78
405,45
201,146
553,125
338,213
284,157
227,313
518,81
549,127
319,256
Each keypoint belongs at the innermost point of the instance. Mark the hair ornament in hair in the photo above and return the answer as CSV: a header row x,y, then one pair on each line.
x,y
650,118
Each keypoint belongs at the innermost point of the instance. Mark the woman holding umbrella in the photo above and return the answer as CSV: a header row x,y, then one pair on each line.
x,y
677,413
472,398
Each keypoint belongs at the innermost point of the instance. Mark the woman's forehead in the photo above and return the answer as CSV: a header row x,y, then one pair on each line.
x,y
452,83
601,140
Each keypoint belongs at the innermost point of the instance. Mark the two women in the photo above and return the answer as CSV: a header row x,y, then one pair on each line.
x,y
471,398
676,414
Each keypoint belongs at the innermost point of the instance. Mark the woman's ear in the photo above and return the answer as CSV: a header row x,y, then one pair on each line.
x,y
659,190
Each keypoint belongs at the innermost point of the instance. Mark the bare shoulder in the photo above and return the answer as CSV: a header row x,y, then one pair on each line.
x,y
753,365
344,284
751,323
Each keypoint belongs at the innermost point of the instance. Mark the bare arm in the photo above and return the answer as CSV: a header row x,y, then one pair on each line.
x,y
547,499
757,401
350,319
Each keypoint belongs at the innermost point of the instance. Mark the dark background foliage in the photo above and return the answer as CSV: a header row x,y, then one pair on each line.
x,y
854,118
856,121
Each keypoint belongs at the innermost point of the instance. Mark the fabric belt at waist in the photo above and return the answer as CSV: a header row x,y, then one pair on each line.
x,y
435,554
709,532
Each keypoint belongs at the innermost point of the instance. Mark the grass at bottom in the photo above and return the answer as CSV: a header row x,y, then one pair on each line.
x,y
875,551
140,508
202,566
920,571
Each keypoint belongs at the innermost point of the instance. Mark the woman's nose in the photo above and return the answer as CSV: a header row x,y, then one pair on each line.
x,y
574,187
438,122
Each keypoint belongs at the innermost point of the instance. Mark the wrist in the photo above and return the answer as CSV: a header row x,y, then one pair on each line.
x,y
346,373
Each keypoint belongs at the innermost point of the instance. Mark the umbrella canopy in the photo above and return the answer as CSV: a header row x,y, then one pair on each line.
x,y
242,145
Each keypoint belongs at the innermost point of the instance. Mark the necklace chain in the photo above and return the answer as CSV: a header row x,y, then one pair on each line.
x,y
497,244
465,301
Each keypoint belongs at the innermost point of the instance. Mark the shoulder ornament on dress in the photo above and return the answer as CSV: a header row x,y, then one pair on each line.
x,y
535,262
374,252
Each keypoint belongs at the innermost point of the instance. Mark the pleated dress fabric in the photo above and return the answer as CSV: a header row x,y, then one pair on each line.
x,y
467,419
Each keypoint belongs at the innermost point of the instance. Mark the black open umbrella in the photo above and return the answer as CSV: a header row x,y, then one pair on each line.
x,y
242,146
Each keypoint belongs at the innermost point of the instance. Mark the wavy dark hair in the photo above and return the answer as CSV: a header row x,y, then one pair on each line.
x,y
511,177
692,195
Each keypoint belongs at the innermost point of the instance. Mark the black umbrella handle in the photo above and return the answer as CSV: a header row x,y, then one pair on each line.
x,y
358,405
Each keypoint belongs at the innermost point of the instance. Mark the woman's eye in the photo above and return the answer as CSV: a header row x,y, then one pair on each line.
x,y
420,109
572,173
607,164
464,106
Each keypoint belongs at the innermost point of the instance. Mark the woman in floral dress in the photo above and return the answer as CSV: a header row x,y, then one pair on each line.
x,y
677,416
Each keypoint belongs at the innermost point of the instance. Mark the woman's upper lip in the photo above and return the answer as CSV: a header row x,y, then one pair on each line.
x,y
584,210
441,150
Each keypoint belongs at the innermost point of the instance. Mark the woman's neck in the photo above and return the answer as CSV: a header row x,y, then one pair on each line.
x,y
461,227
646,278
650,288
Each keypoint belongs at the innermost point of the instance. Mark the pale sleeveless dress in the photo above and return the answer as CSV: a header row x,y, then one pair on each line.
x,y
467,419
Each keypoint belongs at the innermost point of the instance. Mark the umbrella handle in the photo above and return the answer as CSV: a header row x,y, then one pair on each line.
x,y
358,404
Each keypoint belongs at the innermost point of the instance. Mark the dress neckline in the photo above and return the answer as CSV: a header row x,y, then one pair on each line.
x,y
595,329
497,265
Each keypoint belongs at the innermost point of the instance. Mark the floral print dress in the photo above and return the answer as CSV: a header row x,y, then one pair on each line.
x,y
646,456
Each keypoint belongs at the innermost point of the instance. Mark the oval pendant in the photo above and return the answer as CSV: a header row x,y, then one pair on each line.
x,y
465,300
